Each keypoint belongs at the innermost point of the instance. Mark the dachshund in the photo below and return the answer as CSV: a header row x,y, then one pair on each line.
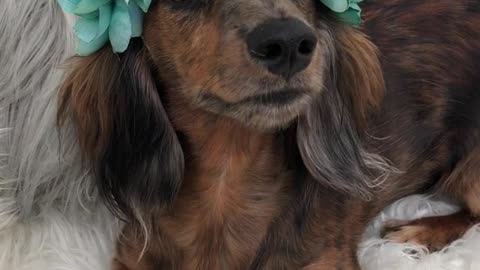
x,y
266,134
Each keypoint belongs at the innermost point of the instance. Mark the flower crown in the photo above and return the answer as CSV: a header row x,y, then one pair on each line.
x,y
101,21
118,21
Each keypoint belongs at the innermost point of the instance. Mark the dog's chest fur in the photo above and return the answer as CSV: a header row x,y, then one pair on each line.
x,y
228,199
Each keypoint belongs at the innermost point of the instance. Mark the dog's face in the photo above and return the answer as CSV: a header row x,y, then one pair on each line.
x,y
261,62
267,64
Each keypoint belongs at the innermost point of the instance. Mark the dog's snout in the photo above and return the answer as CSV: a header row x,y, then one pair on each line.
x,y
284,46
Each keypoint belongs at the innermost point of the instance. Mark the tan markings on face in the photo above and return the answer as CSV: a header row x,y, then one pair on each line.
x,y
188,47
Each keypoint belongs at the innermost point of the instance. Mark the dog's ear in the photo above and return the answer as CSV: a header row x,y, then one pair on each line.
x,y
358,74
123,129
330,136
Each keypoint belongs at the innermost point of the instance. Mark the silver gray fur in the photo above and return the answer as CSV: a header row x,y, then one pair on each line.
x,y
49,211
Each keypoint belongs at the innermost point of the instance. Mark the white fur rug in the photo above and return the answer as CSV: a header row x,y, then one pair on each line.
x,y
378,254
50,218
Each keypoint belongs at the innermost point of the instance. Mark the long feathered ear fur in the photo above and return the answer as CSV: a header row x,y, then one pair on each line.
x,y
123,129
330,136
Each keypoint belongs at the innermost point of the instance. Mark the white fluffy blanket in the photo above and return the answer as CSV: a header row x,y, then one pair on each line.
x,y
378,254
49,216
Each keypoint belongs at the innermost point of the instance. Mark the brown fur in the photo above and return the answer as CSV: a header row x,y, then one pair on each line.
x,y
358,60
90,111
209,177
464,182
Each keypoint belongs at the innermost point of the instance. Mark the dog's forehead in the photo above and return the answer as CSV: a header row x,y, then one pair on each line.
x,y
257,5
239,3
240,10
256,11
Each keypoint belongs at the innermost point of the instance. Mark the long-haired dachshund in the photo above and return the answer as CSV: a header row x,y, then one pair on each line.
x,y
266,134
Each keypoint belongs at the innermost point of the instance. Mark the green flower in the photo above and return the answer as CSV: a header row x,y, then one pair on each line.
x,y
347,10
101,21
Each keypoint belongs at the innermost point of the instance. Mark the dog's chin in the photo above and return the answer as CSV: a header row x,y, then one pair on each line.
x,y
265,114
270,125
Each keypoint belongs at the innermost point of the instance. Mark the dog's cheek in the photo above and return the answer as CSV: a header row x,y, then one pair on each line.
x,y
187,46
198,59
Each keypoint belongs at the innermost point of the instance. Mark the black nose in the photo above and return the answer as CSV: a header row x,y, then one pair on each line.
x,y
284,46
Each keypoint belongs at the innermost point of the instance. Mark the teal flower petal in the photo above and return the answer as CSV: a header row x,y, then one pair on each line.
x,y
136,18
105,17
94,24
336,5
120,27
356,7
86,29
103,20
91,15
68,5
84,48
87,6
346,10
144,4
352,16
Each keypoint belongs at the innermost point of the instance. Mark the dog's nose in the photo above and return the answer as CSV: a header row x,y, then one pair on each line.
x,y
284,46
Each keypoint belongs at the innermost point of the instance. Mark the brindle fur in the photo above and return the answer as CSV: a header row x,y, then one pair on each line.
x,y
217,180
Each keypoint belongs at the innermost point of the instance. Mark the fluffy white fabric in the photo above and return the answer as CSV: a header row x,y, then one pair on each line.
x,y
50,218
378,254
